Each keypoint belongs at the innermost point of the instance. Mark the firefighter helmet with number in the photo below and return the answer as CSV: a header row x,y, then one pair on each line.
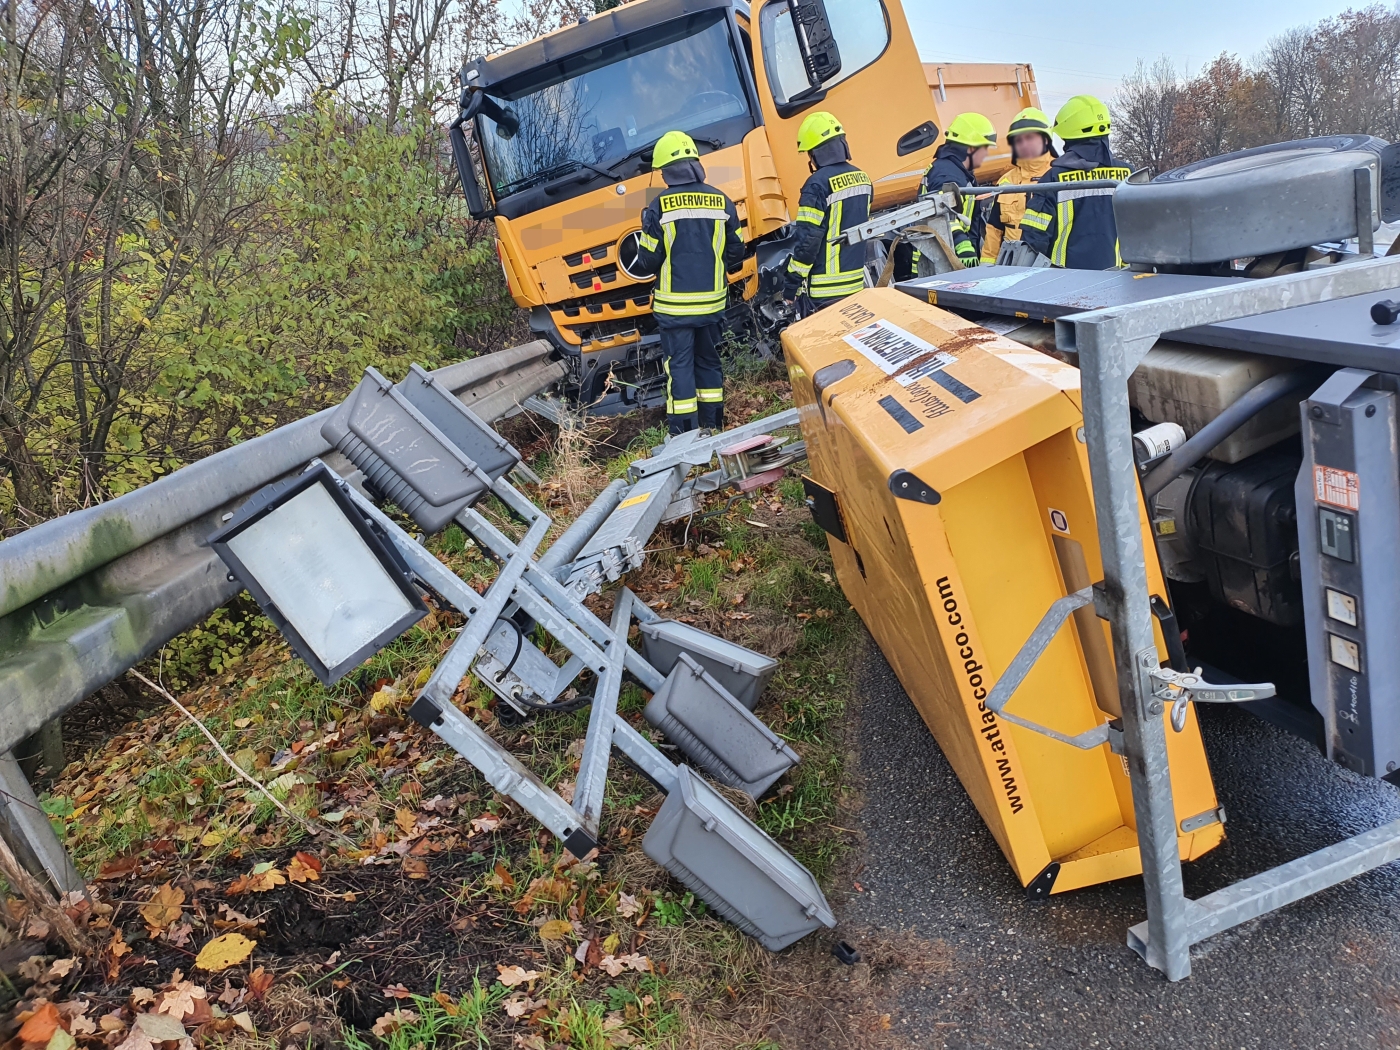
x,y
673,146
1082,117
817,128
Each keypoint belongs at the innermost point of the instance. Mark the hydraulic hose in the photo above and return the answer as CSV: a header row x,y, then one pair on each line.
x,y
1254,401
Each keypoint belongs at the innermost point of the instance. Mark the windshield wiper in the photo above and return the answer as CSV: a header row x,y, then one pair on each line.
x,y
526,181
583,166
714,144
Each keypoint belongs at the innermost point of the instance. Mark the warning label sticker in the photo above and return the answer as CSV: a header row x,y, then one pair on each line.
x,y
899,354
1341,488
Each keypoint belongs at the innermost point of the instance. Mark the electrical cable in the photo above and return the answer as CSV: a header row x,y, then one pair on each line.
x,y
560,707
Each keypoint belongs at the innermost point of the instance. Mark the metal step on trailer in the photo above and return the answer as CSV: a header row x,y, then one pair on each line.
x,y
705,841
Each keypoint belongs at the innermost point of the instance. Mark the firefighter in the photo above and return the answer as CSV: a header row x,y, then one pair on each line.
x,y
965,146
690,238
1075,229
835,197
1031,153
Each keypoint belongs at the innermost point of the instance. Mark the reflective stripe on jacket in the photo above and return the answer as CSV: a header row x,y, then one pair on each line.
x,y
1006,211
690,238
834,198
1075,229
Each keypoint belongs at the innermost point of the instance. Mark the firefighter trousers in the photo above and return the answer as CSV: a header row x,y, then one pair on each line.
x,y
694,377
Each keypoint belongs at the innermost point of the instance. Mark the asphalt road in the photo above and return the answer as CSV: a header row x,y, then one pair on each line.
x,y
1322,972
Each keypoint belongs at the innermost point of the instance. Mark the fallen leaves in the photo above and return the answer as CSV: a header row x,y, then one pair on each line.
x,y
616,964
259,981
41,1025
230,949
627,905
391,1022
164,908
304,867
264,877
184,999
510,976
556,930
485,823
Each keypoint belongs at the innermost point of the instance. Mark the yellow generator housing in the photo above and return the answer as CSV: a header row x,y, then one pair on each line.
x,y
949,466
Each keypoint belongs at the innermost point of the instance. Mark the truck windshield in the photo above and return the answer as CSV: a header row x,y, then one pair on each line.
x,y
596,109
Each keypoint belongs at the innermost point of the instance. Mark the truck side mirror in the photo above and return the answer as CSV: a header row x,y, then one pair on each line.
x,y
815,41
466,169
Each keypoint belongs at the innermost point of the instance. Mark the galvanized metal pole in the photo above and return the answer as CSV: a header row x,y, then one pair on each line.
x,y
1106,361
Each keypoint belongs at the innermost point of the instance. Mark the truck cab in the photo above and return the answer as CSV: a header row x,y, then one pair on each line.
x,y
554,143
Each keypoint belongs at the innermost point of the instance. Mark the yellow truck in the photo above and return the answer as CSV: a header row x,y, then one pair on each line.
x,y
554,142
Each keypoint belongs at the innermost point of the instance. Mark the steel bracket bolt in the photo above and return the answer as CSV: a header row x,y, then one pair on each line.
x,y
1154,708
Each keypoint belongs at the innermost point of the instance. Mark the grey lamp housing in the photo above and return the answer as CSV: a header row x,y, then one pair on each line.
x,y
330,580
418,446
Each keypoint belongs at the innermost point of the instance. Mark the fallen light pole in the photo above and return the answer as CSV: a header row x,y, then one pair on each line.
x,y
323,560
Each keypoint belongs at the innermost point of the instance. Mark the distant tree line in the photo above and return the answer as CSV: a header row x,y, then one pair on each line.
x,y
215,213
1339,76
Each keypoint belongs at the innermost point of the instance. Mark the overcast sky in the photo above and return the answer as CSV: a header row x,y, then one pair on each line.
x,y
1080,47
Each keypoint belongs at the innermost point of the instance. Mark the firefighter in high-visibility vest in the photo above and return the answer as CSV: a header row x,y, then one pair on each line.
x,y
1031,153
965,146
690,239
835,197
1075,228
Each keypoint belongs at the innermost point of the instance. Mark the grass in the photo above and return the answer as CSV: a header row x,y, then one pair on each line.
x,y
759,574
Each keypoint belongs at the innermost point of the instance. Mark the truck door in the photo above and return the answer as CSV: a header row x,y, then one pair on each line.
x,y
856,59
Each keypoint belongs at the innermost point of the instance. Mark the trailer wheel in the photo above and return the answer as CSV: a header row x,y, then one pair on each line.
x,y
1253,202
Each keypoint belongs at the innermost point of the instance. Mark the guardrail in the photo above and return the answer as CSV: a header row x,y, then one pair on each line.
x,y
87,596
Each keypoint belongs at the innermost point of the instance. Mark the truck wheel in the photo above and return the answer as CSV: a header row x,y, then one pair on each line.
x,y
1253,202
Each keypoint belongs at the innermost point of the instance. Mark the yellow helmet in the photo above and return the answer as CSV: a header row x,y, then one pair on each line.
x,y
671,147
817,128
1029,119
971,129
1082,117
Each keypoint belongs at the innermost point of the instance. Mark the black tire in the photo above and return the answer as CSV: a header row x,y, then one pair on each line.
x,y
1254,202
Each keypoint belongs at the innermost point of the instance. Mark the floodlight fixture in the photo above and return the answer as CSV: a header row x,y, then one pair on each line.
x,y
331,581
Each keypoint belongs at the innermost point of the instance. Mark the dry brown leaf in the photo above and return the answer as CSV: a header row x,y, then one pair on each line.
x,y
510,976
390,1022
224,951
448,1004
180,1000
556,930
259,981
82,1025
484,823
507,879
164,908
627,905
61,967
415,867
406,819
304,867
